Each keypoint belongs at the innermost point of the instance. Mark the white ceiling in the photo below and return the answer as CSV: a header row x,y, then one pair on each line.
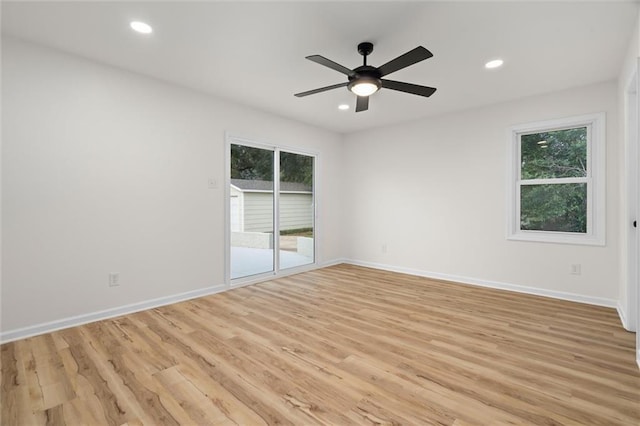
x,y
253,53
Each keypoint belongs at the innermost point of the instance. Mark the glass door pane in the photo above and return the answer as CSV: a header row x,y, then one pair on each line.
x,y
251,211
296,210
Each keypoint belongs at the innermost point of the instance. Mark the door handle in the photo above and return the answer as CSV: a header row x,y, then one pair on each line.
x,y
635,224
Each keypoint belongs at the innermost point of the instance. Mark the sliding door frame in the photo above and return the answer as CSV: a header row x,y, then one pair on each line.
x,y
232,139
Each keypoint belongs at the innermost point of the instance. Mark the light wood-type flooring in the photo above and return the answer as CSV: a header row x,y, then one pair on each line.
x,y
337,346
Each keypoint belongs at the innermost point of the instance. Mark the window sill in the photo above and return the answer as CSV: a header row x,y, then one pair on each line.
x,y
557,238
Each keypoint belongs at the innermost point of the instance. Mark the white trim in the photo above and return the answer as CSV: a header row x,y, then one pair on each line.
x,y
334,262
262,143
595,180
553,237
572,297
48,327
637,282
623,316
74,321
554,181
314,210
557,123
276,211
227,211
631,123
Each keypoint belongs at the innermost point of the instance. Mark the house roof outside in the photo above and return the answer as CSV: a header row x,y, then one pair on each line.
x,y
265,185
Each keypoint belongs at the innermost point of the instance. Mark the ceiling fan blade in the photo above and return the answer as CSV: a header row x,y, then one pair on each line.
x,y
330,64
322,89
362,104
414,89
411,57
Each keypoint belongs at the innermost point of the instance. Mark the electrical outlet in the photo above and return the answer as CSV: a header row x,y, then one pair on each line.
x,y
576,269
114,279
384,248
212,183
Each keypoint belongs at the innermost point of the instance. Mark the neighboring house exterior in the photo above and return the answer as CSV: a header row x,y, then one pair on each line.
x,y
252,206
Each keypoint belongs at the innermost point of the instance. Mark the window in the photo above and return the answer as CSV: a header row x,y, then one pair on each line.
x,y
557,181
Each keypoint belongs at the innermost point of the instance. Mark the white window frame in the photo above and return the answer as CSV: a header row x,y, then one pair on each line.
x,y
595,180
233,138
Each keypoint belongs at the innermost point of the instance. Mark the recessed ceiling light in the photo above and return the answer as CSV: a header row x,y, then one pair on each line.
x,y
494,63
343,106
141,27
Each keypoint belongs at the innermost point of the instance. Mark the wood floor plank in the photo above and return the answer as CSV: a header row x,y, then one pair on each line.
x,y
243,384
198,408
221,398
116,401
335,346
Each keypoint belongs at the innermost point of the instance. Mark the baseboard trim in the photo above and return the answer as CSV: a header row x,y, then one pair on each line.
x,y
590,300
333,262
623,316
48,327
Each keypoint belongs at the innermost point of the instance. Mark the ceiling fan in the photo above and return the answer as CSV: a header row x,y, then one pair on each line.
x,y
365,80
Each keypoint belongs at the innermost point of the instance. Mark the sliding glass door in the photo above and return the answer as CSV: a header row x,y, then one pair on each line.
x,y
271,210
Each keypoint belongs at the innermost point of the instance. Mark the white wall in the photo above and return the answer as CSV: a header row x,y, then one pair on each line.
x,y
434,191
106,171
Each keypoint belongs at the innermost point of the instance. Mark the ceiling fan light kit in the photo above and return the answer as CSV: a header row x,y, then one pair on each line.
x,y
364,86
365,80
